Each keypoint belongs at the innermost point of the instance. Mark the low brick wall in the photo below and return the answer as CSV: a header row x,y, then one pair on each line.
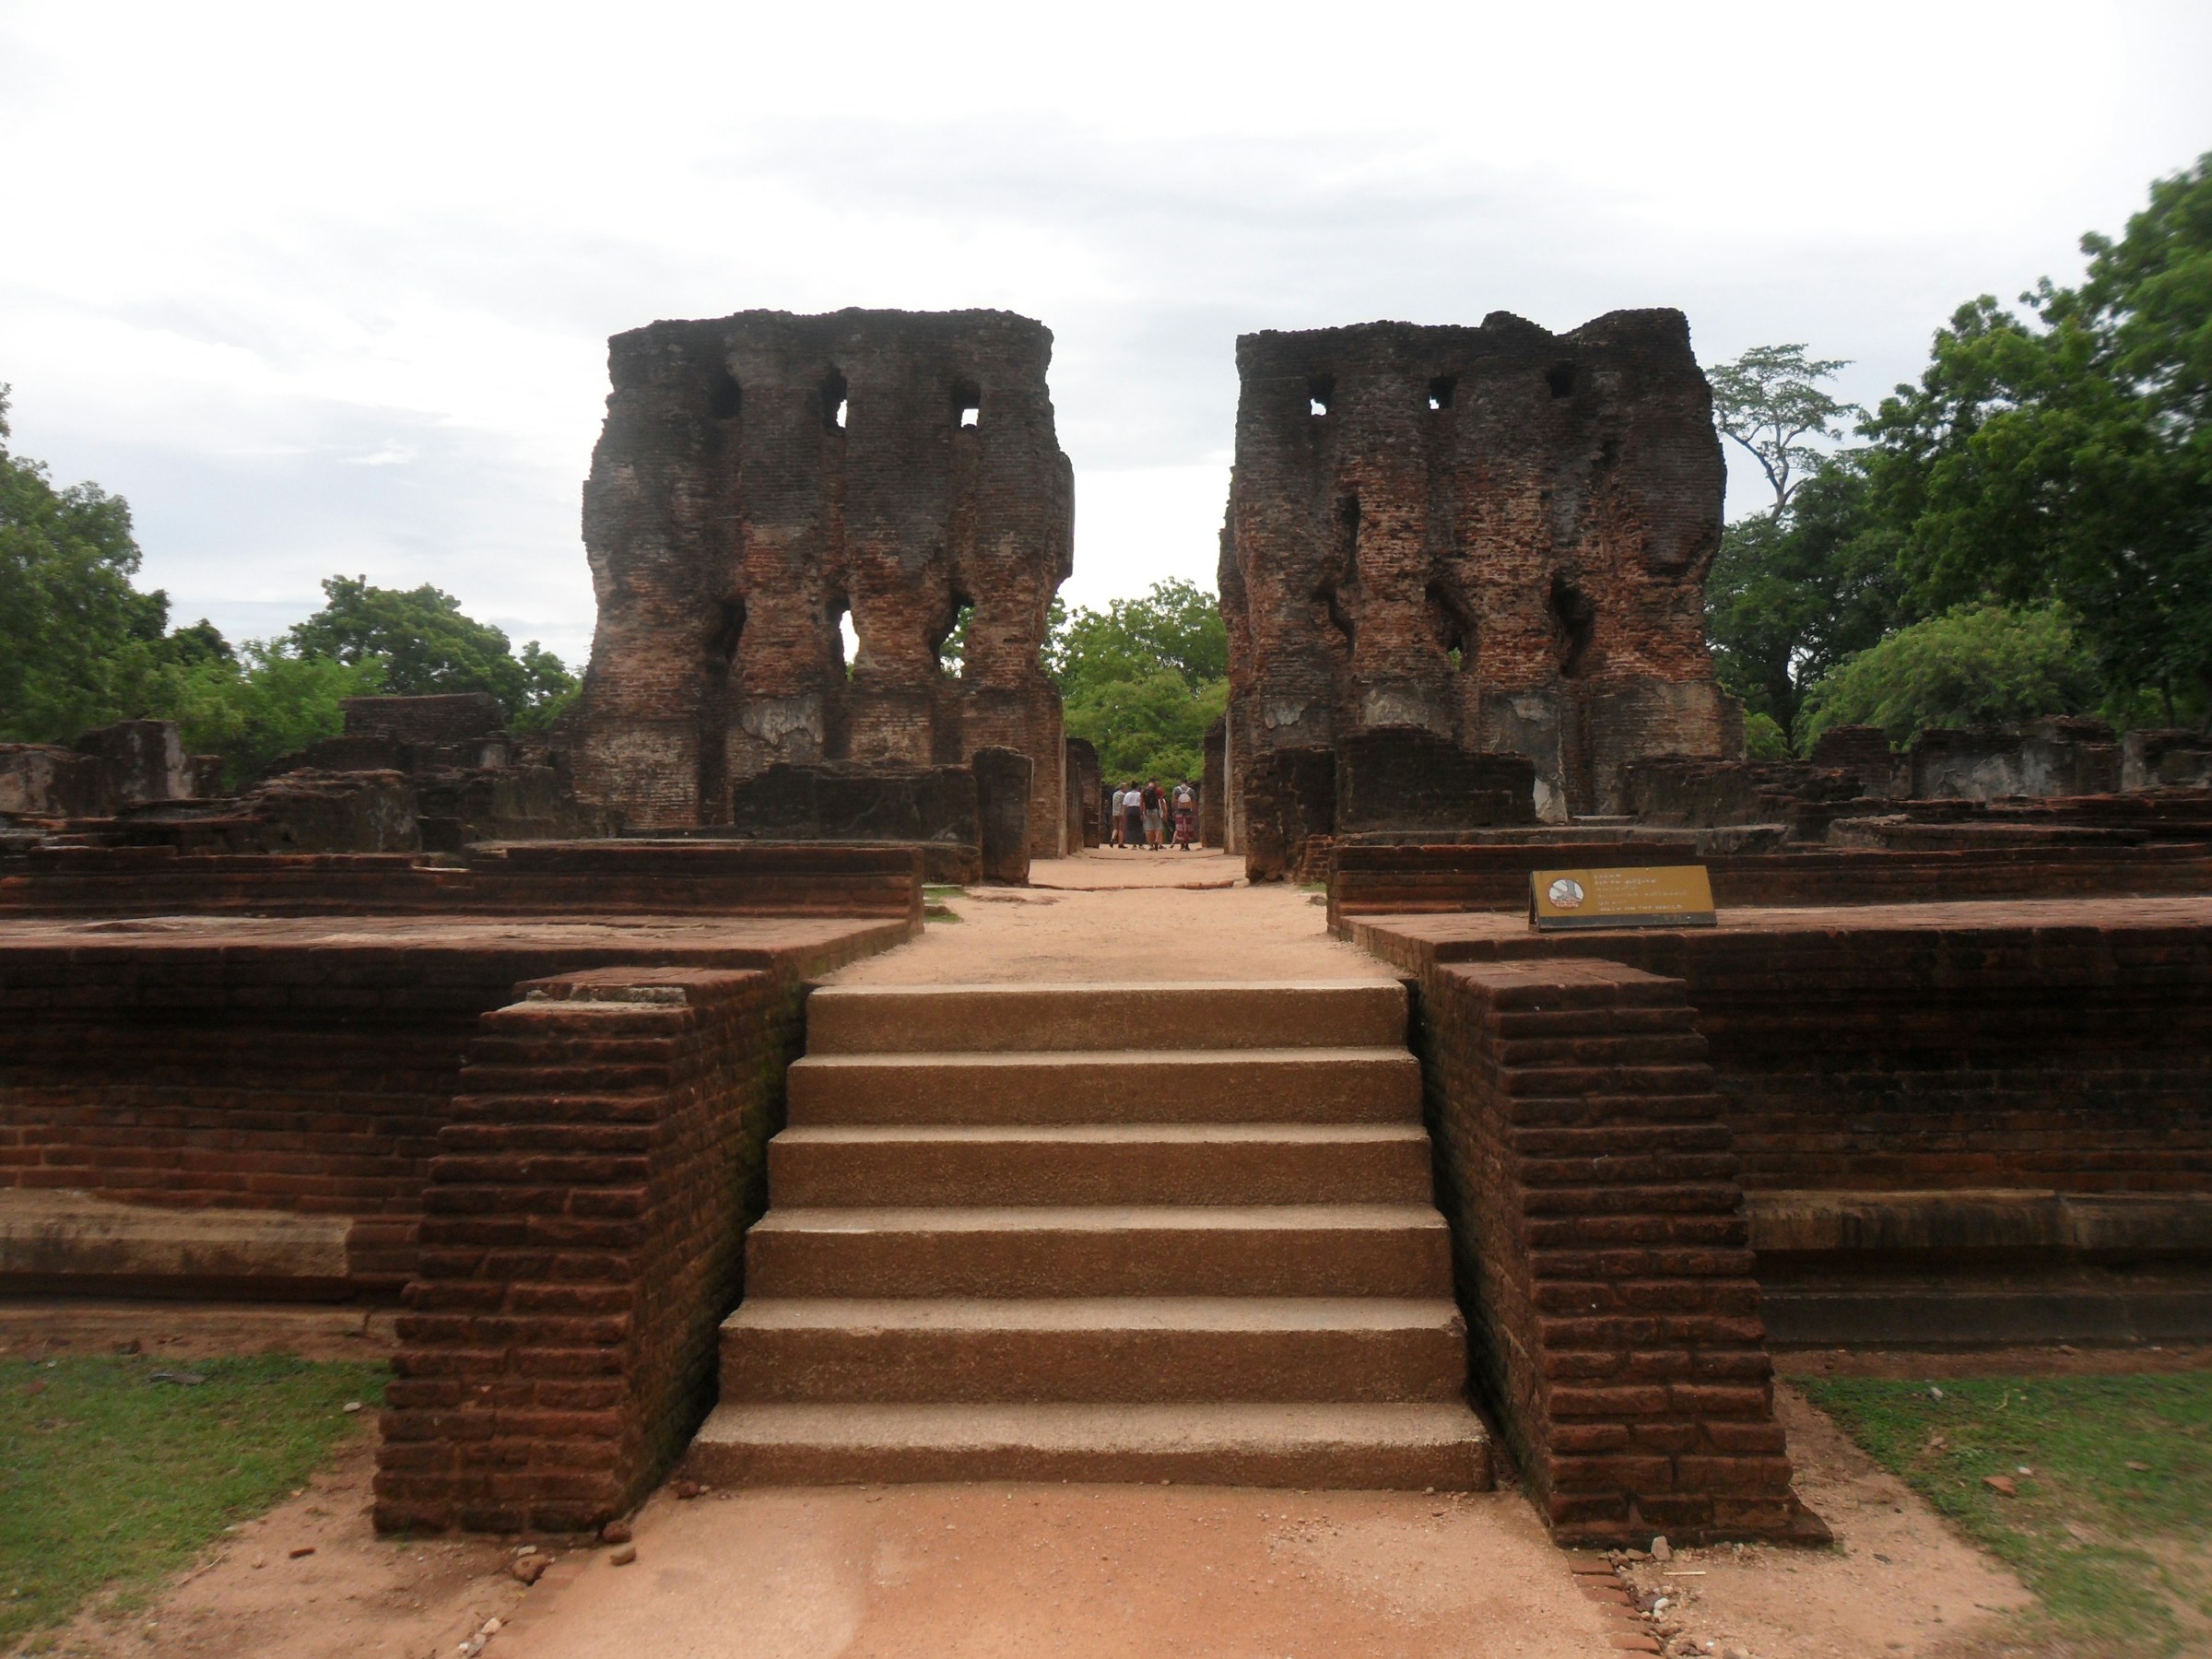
x,y
536,879
1603,1256
2059,1045
1385,880
582,1240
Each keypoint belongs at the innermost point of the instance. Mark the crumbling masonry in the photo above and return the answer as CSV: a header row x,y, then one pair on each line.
x,y
764,475
1496,536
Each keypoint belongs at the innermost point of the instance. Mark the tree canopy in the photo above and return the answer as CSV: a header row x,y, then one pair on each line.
x,y
1142,678
425,643
2066,456
1772,402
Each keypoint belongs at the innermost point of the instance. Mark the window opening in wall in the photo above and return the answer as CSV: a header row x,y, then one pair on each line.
x,y
1560,377
833,401
726,399
1454,626
1440,391
844,634
967,404
729,625
952,650
1574,624
1320,392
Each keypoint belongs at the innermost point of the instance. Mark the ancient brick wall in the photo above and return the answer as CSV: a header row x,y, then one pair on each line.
x,y
1603,1252
2062,1046
1497,535
1383,880
761,477
588,878
580,1243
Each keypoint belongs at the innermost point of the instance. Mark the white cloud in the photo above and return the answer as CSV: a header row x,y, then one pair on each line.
x,y
328,290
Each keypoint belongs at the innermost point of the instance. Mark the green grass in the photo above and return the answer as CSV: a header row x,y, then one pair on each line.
x,y
109,1478
2117,1553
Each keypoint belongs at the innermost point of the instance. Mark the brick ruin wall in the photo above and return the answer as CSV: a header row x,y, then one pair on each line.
x,y
1497,535
761,477
1603,1254
580,1242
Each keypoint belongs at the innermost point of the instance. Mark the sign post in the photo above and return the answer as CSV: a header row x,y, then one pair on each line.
x,y
1659,895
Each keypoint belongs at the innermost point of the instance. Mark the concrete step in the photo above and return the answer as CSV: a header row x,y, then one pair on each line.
x,y
1305,1085
1338,1444
1094,1350
855,1020
1100,1163
1250,1250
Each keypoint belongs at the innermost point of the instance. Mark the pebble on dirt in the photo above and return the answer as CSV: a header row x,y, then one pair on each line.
x,y
624,1556
615,1532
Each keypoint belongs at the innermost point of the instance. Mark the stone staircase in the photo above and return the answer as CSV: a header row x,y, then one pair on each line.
x,y
1099,1232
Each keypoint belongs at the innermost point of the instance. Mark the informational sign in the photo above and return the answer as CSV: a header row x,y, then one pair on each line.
x,y
1661,896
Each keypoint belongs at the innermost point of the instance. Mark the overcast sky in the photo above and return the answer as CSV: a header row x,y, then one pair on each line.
x,y
327,289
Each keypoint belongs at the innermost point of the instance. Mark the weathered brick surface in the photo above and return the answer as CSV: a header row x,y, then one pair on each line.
x,y
763,476
2055,1045
1603,1254
542,879
1497,535
1398,880
581,1240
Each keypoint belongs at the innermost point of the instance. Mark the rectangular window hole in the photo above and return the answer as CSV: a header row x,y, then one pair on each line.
x,y
1440,390
1320,392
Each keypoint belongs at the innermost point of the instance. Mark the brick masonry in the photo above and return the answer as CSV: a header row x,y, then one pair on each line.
x,y
581,1240
2052,1044
763,476
1603,1253
1495,535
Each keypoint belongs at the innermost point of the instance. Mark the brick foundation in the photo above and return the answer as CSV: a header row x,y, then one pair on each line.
x,y
1604,1260
580,1242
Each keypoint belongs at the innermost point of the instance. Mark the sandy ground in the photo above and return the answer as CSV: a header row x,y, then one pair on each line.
x,y
929,1572
1111,916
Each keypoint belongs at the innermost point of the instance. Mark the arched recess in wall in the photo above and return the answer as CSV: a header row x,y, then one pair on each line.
x,y
1330,597
1453,619
718,662
951,641
835,401
1573,627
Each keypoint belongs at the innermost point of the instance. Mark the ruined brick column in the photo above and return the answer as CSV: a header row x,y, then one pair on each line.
x,y
760,478
1497,535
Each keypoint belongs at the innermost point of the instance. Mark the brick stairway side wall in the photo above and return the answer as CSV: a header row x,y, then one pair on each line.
x,y
1603,1256
581,1239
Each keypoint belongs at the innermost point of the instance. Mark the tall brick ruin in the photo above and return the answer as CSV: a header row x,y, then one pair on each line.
x,y
762,477
1494,535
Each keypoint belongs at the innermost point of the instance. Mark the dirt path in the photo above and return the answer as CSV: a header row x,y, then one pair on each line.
x,y
1078,1572
1123,916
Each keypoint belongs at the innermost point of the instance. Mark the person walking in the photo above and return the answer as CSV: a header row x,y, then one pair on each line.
x,y
1186,816
1133,815
1113,817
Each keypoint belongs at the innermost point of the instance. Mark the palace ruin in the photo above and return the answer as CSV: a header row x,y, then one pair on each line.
x,y
762,479
1497,536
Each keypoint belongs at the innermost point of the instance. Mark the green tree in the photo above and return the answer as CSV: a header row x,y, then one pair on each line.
x,y
254,705
1795,590
424,643
68,612
1980,665
1770,401
1177,624
1142,678
2068,456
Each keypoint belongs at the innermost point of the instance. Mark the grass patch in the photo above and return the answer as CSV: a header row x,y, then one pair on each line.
x,y
2108,1529
109,1477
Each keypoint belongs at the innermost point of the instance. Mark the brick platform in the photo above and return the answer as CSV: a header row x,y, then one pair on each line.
x,y
1932,1093
1603,1253
1385,880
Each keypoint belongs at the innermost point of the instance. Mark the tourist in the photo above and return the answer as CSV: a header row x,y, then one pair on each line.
x,y
1186,816
1113,817
1155,815
1133,815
